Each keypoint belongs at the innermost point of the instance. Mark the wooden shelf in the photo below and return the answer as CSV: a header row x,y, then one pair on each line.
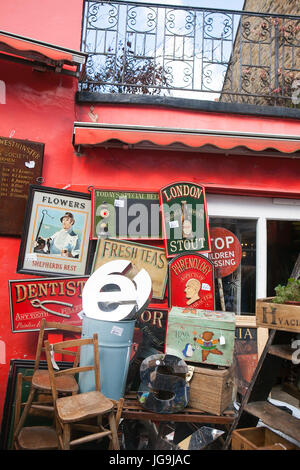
x,y
281,350
292,390
275,418
133,410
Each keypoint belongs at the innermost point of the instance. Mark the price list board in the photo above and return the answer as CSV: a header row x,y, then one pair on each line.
x,y
21,164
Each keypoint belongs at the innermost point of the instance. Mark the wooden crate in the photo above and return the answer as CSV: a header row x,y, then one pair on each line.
x,y
259,438
277,316
211,389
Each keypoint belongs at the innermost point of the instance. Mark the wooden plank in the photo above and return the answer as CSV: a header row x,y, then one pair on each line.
x,y
133,410
275,418
292,390
277,316
281,350
262,338
245,321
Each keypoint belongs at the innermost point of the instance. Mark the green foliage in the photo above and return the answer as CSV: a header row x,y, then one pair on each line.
x,y
290,292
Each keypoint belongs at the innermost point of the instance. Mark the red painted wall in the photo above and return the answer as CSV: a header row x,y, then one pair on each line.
x,y
53,21
41,107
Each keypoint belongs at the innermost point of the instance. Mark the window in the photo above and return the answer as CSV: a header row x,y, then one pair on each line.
x,y
283,247
239,286
269,231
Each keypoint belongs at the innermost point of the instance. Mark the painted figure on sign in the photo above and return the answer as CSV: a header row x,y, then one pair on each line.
x,y
208,345
191,290
188,350
65,242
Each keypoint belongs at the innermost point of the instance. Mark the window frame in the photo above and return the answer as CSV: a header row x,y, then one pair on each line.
x,y
260,209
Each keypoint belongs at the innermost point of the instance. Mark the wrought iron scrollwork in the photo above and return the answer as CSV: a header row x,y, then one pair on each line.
x,y
159,49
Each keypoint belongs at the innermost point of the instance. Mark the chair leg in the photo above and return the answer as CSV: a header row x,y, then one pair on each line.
x,y
66,437
17,407
25,412
113,428
120,404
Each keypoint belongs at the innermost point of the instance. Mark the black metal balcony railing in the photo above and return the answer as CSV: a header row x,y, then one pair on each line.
x,y
189,52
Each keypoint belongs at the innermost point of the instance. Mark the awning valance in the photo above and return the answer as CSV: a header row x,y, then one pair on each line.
x,y
88,134
32,52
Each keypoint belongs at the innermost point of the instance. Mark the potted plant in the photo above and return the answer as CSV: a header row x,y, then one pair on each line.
x,y
289,293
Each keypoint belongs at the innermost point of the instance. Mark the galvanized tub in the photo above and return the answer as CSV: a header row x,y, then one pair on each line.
x,y
115,340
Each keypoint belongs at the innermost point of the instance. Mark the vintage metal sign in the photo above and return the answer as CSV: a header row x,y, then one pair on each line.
x,y
153,322
21,164
125,214
246,355
191,282
56,299
226,251
184,219
141,256
56,233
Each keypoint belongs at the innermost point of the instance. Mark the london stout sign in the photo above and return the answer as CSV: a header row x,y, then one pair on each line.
x,y
184,219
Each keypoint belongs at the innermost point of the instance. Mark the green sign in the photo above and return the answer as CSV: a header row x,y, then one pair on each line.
x,y
184,219
125,214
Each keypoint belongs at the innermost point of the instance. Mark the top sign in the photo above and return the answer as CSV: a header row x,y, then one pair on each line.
x,y
184,214
226,251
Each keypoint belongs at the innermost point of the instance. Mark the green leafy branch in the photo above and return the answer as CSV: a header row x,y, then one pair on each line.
x,y
290,292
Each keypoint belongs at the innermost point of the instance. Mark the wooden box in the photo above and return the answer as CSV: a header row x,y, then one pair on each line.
x,y
277,316
201,336
211,389
259,438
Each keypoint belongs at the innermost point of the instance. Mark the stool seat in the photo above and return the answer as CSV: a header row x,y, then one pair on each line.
x,y
64,384
84,405
37,438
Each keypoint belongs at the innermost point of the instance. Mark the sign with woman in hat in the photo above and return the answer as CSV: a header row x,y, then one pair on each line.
x,y
65,241
56,232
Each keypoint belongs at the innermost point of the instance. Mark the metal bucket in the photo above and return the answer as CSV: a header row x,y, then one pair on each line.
x,y
115,340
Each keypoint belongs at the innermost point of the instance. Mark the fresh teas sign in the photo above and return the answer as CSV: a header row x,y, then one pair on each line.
x,y
184,219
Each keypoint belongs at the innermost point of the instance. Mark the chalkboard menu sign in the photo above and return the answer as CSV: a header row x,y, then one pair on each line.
x,y
20,165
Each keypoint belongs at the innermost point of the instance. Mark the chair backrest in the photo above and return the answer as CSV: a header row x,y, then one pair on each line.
x,y
47,325
67,348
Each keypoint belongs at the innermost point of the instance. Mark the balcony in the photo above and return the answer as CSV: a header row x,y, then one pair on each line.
x,y
186,52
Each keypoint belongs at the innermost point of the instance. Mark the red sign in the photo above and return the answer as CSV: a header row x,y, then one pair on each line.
x,y
191,282
56,299
226,251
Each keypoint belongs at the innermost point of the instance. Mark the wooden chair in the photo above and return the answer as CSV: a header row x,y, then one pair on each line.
x,y
40,382
33,437
75,412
